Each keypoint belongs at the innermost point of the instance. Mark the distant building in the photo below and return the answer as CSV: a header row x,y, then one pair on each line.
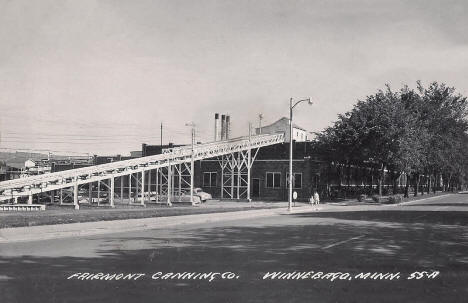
x,y
36,167
135,154
61,165
8,172
109,159
282,127
150,150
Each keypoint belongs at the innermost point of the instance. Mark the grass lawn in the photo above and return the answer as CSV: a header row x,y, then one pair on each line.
x,y
66,214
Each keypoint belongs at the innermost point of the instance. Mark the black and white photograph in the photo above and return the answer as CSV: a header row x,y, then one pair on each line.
x,y
233,151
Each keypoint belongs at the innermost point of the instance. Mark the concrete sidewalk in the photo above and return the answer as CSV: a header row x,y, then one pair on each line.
x,y
45,232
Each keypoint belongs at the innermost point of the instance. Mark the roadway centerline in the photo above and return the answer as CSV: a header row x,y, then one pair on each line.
x,y
344,241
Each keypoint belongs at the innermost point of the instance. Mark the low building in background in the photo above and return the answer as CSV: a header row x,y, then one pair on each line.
x,y
282,127
8,172
36,167
151,150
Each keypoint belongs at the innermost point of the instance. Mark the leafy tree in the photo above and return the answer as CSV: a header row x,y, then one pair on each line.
x,y
418,133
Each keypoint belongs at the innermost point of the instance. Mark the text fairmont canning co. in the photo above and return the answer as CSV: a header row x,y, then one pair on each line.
x,y
208,276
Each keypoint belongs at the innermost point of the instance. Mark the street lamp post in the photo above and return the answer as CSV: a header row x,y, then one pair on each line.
x,y
291,107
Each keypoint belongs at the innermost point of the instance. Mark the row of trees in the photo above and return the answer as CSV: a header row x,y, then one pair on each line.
x,y
416,132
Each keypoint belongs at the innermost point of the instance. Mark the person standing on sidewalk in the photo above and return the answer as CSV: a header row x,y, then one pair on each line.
x,y
311,199
316,198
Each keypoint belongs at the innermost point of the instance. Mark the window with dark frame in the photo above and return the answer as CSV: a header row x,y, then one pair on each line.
x,y
209,179
297,180
273,180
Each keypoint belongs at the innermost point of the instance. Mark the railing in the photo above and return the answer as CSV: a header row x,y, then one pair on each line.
x,y
22,207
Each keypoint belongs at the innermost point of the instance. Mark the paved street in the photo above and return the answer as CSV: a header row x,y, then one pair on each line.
x,y
428,235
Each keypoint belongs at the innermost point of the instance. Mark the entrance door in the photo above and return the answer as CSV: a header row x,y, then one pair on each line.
x,y
255,188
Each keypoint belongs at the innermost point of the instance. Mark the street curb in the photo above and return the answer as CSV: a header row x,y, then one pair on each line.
x,y
419,200
58,231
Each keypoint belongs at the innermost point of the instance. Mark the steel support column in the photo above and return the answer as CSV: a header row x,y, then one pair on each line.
x,y
99,192
137,187
90,192
233,165
130,189
191,178
222,177
157,185
121,189
239,167
180,182
149,186
75,196
169,185
111,191
249,165
142,201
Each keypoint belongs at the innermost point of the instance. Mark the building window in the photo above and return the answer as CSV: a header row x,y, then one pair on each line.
x,y
297,180
209,179
273,180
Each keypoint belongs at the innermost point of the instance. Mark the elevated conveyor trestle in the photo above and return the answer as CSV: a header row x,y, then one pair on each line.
x,y
168,177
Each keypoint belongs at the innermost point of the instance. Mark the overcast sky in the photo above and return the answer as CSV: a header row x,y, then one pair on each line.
x,y
100,76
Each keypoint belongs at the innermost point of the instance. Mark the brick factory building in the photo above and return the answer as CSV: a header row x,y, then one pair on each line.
x,y
269,174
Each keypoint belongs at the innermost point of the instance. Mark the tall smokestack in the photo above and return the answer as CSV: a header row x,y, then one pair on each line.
x,y
228,127
216,138
223,127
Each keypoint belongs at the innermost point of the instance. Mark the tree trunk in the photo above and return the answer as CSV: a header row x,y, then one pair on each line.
x,y
416,185
348,178
395,185
450,185
381,179
422,186
407,187
428,184
340,178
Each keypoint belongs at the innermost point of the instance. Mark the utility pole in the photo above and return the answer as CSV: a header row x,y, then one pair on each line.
x,y
161,134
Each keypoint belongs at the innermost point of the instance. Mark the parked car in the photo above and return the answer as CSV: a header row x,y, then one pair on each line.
x,y
198,192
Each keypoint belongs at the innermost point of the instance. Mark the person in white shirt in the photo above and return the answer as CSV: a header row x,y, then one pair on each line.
x,y
316,198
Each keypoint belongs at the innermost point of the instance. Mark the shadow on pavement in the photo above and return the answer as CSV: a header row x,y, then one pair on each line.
x,y
461,204
396,216
354,242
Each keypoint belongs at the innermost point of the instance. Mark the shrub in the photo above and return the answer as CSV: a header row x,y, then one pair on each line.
x,y
395,199
376,199
362,198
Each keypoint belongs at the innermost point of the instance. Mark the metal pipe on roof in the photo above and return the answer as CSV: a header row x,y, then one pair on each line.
x,y
223,127
216,137
228,127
